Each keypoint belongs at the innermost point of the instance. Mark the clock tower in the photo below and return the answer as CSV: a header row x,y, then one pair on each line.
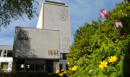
x,y
56,16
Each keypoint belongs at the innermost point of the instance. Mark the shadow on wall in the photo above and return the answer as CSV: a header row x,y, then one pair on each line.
x,y
22,44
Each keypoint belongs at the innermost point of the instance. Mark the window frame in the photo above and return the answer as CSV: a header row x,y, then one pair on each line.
x,y
2,66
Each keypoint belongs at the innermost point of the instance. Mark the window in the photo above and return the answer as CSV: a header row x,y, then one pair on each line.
x,y
5,53
9,53
0,52
63,55
4,65
60,66
23,35
66,66
22,66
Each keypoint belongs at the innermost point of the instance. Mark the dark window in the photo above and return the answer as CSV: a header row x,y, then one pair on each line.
x,y
0,52
60,66
23,35
63,55
66,66
5,53
9,53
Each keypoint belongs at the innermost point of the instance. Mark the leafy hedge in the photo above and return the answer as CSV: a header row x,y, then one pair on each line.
x,y
97,42
28,74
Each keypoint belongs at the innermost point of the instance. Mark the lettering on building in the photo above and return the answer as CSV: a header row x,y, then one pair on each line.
x,y
53,52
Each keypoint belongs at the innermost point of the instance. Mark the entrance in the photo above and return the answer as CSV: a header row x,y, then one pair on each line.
x,y
30,65
49,66
34,67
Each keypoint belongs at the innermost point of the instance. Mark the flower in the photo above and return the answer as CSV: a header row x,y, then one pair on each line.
x,y
103,64
68,63
62,69
112,59
57,71
118,24
70,69
81,68
61,74
103,13
65,71
74,68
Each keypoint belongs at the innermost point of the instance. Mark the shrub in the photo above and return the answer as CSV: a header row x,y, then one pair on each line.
x,y
102,48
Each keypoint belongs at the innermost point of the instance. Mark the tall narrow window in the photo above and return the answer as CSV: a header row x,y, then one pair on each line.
x,y
5,53
66,66
0,52
9,53
61,55
60,66
4,65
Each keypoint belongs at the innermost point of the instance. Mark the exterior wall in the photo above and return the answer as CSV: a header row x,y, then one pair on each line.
x,y
38,43
8,60
57,17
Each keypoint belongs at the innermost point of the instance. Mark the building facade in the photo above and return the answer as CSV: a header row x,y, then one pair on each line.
x,y
46,46
56,16
6,58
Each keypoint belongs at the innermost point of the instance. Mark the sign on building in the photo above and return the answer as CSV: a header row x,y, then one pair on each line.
x,y
53,52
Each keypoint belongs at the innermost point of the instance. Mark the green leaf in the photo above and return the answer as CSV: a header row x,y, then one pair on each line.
x,y
111,68
113,74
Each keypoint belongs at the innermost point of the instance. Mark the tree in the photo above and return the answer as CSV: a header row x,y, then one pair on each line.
x,y
15,9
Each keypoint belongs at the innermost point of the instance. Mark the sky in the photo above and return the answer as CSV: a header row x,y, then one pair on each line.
x,y
81,11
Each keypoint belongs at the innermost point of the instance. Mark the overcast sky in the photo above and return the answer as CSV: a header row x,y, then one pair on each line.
x,y
81,11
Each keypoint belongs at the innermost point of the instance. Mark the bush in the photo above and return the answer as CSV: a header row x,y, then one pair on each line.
x,y
28,74
103,48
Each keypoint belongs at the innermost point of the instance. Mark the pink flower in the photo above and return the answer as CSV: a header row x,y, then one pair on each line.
x,y
118,24
103,13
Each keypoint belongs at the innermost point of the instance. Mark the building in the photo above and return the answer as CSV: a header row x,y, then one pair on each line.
x,y
44,47
6,57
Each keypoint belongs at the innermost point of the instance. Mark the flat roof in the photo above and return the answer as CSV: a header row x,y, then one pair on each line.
x,y
54,2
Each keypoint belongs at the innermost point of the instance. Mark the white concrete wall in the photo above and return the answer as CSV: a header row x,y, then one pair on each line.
x,y
9,60
57,17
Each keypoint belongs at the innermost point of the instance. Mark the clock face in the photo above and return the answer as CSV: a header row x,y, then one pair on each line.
x,y
63,17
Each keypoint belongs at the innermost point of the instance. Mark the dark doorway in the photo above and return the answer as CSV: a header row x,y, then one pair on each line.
x,y
49,66
20,64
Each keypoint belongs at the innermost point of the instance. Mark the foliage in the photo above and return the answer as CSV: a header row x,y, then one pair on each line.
x,y
28,74
97,42
15,9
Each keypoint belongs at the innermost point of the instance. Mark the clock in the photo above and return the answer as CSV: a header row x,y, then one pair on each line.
x,y
63,17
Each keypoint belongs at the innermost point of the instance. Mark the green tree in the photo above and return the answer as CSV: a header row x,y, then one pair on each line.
x,y
96,42
15,9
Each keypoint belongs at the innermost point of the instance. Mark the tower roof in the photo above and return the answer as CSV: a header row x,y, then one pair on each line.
x,y
54,2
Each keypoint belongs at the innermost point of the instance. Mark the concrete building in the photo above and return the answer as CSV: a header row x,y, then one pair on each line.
x,y
36,49
6,58
56,16
46,46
